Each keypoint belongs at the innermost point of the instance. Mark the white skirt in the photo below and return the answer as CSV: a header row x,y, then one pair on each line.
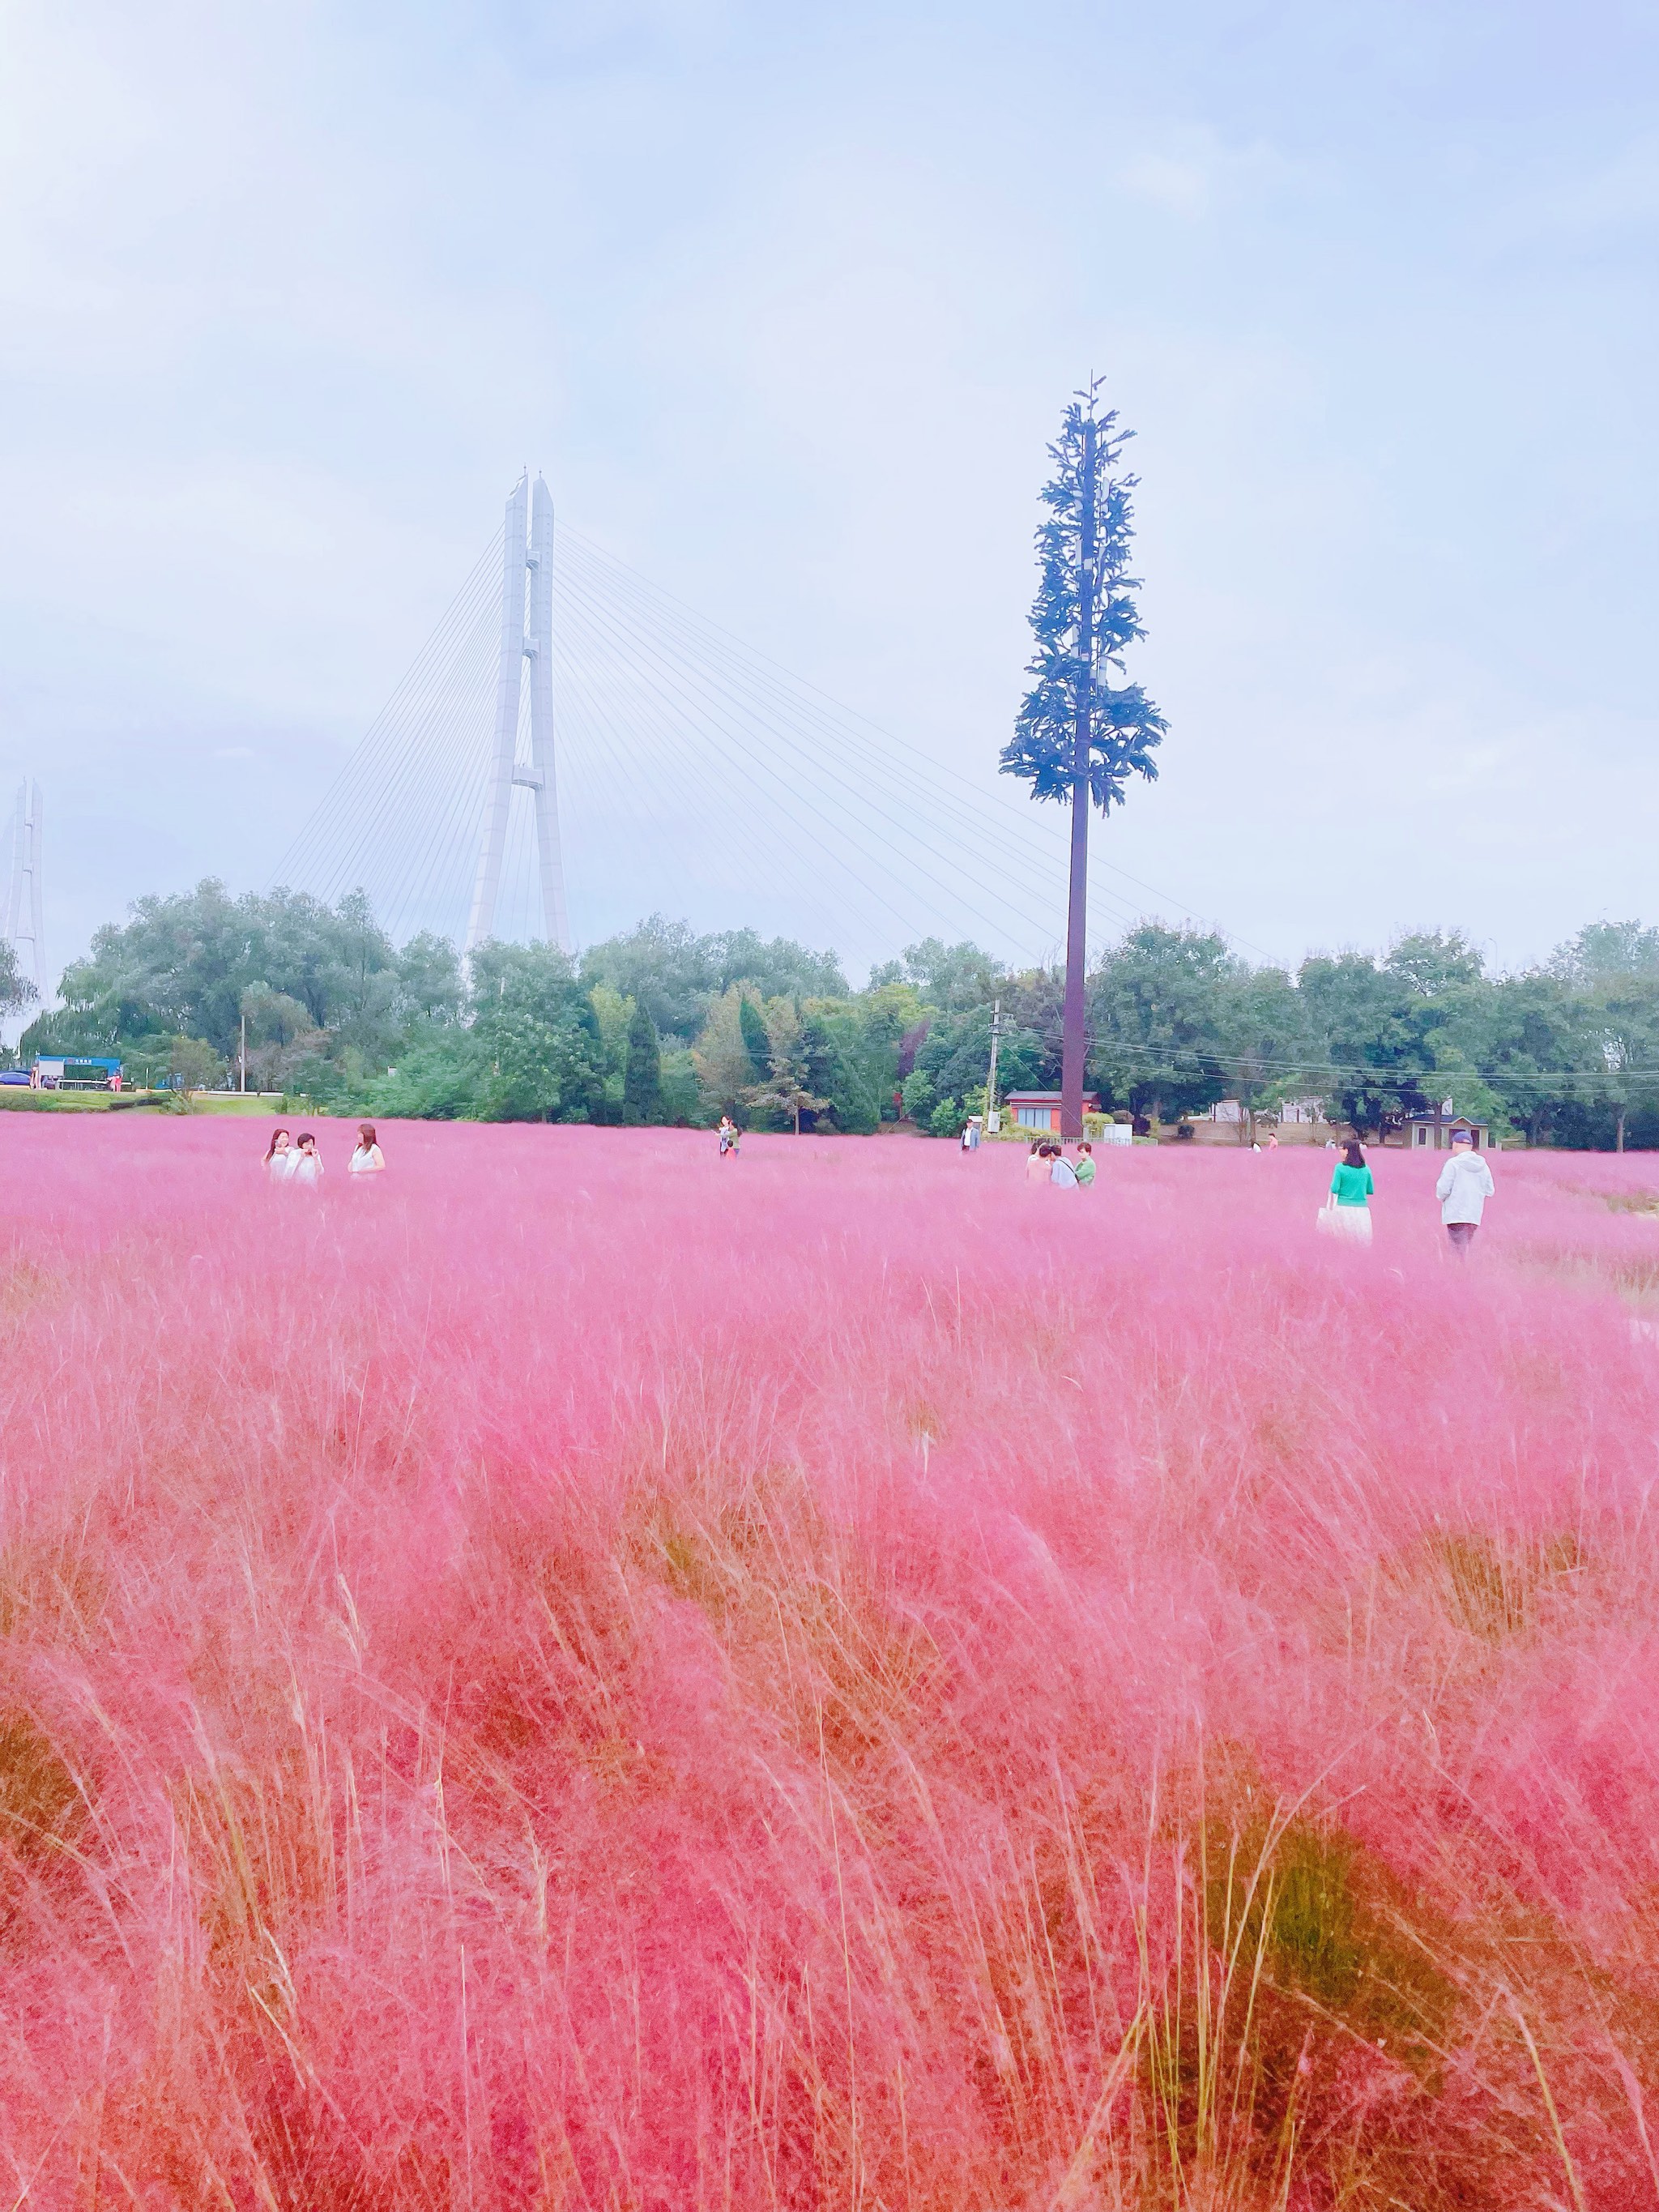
x,y
1352,1222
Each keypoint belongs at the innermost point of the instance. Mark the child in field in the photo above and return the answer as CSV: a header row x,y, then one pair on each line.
x,y
367,1159
1085,1170
279,1157
1350,1213
1036,1163
307,1162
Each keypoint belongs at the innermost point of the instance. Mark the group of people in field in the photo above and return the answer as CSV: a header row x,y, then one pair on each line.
x,y
1046,1162
1463,1186
288,1162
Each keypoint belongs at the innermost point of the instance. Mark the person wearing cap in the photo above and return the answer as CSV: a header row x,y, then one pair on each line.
x,y
1464,1187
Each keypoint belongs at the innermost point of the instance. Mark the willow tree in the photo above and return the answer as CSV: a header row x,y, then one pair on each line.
x,y
16,991
1083,730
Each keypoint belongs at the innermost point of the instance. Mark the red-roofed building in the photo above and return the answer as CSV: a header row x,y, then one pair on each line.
x,y
1040,1109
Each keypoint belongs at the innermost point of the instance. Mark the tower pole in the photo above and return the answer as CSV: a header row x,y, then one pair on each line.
x,y
15,869
990,1080
544,778
509,677
37,895
1072,1048
24,919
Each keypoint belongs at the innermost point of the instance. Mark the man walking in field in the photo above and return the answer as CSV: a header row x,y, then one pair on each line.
x,y
1464,1187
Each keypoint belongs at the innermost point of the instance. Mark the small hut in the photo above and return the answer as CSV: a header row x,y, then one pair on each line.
x,y
1040,1109
1434,1133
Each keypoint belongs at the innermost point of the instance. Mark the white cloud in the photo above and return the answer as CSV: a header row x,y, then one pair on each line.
x,y
1178,187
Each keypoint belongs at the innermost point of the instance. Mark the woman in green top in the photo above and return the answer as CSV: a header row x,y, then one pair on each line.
x,y
1350,1214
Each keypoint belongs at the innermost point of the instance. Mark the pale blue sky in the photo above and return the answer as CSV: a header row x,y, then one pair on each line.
x,y
785,303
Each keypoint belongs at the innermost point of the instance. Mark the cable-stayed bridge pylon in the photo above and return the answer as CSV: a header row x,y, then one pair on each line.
x,y
522,640
23,898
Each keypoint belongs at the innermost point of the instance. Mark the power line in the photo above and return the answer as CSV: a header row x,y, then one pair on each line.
x,y
746,681
727,726
996,796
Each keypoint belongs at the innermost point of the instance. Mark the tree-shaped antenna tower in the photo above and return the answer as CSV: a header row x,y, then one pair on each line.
x,y
1080,735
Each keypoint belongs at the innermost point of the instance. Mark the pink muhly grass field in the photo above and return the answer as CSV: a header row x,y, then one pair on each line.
x,y
583,1675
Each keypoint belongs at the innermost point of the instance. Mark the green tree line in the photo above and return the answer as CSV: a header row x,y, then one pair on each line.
x,y
661,1024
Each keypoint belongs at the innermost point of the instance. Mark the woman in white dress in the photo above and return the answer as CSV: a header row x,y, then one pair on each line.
x,y
279,1157
367,1158
307,1162
1348,1209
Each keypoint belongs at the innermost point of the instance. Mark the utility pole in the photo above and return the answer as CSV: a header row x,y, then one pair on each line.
x,y
991,1081
244,1081
1073,1045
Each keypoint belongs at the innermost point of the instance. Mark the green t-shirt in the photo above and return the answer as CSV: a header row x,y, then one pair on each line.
x,y
1352,1186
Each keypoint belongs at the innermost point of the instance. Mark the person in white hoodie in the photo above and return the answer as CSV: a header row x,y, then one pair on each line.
x,y
1464,1187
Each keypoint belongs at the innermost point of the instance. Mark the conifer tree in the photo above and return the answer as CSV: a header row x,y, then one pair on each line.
x,y
642,1075
725,1068
785,1090
752,1022
1080,734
